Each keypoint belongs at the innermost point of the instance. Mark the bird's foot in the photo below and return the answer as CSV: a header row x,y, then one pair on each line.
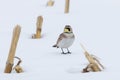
x,y
68,52
63,53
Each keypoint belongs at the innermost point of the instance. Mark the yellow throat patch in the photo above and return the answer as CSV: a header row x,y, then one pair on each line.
x,y
66,30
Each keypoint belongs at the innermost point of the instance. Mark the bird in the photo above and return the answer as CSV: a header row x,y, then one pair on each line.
x,y
65,39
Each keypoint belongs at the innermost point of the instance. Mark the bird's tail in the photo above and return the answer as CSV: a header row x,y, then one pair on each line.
x,y
55,45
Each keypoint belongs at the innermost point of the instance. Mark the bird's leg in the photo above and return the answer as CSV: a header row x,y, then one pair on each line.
x,y
63,51
68,51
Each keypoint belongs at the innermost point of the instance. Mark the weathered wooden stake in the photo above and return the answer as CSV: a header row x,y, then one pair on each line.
x,y
38,27
50,3
93,65
67,2
10,59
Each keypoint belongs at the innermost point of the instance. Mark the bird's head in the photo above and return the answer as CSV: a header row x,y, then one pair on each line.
x,y
67,29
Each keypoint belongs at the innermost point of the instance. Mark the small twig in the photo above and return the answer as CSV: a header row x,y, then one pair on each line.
x,y
18,59
18,68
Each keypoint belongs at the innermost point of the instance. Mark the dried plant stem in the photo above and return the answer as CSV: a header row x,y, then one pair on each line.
x,y
93,62
94,66
38,27
67,2
10,60
50,3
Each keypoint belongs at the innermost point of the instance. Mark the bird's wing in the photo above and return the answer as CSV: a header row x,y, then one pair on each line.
x,y
61,36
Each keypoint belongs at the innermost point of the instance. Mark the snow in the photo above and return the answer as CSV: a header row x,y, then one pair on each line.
x,y
95,24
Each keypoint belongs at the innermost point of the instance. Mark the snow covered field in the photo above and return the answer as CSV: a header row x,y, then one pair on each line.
x,y
95,23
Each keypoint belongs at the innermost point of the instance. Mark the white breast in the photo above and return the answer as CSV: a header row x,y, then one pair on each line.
x,y
65,43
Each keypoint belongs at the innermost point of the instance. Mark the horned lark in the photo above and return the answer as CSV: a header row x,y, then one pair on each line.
x,y
65,39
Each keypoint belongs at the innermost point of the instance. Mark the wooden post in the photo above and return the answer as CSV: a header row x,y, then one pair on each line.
x,y
38,27
10,59
50,3
94,64
67,6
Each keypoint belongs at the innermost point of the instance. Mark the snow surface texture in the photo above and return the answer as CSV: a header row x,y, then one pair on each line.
x,y
95,24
